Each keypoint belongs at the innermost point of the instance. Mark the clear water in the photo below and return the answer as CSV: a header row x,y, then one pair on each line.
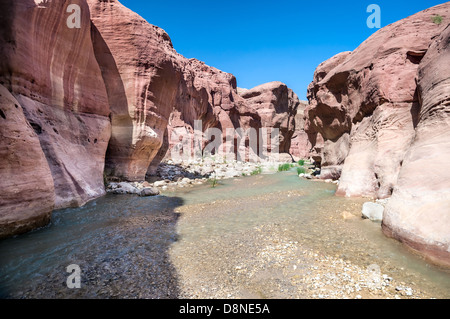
x,y
125,245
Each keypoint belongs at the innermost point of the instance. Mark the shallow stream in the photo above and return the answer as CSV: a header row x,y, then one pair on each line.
x,y
241,239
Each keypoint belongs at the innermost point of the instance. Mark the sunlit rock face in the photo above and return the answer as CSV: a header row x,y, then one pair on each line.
x,y
51,74
381,111
277,106
153,91
419,210
300,143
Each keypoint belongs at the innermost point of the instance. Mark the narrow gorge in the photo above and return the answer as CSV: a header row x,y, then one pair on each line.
x,y
88,110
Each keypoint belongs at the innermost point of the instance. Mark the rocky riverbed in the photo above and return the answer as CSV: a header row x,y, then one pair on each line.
x,y
172,175
268,261
259,236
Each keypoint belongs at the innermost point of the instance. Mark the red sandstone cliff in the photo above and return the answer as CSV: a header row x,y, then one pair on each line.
x,y
153,85
382,113
54,80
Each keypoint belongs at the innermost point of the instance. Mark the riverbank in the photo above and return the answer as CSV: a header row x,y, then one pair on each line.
x,y
271,259
172,175
262,236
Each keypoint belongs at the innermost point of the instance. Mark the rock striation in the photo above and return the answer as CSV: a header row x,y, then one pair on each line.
x,y
300,142
27,198
152,88
378,115
59,97
419,210
276,105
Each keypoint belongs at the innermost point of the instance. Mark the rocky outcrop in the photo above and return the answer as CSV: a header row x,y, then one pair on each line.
x,y
98,99
27,192
139,68
151,87
208,95
55,81
380,111
419,210
300,143
365,106
276,105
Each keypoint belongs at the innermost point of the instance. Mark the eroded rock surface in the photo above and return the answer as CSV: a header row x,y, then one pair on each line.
x,y
53,77
27,192
419,210
277,105
382,111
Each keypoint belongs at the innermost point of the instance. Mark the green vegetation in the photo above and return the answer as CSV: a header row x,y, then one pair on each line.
x,y
301,170
437,19
301,162
256,171
284,167
213,181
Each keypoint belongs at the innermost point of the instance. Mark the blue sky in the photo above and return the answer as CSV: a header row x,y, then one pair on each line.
x,y
263,41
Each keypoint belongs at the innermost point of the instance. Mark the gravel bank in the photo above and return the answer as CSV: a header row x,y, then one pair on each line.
x,y
265,262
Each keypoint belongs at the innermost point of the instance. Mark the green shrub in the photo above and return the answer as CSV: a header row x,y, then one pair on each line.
x,y
437,19
301,162
213,181
284,167
301,170
256,171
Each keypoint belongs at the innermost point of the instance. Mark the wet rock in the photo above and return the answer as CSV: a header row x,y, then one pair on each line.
x,y
373,211
347,215
122,188
149,191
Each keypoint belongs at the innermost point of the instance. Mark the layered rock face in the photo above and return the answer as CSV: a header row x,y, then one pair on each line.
x,y
95,98
276,104
271,105
54,79
151,87
365,106
27,199
381,113
138,65
419,210
208,95
300,143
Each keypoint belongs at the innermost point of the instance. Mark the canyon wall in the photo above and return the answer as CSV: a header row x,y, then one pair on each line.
x,y
378,117
300,142
83,103
49,73
419,210
139,68
161,92
276,105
